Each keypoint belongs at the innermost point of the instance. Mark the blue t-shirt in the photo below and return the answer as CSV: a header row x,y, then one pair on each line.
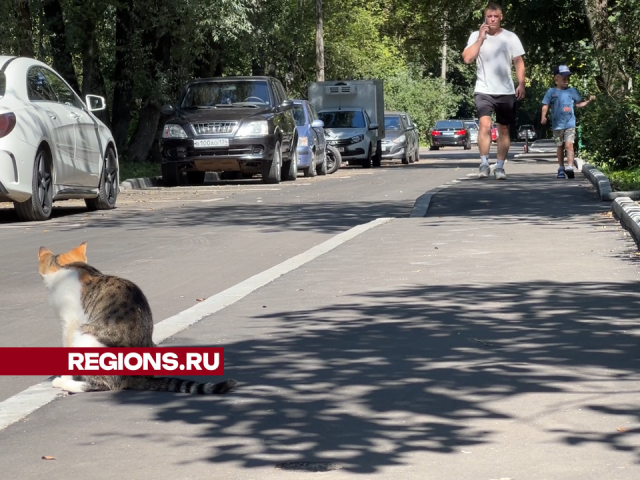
x,y
561,105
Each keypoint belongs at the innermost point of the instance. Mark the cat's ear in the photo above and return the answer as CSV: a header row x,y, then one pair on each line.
x,y
81,251
44,252
78,254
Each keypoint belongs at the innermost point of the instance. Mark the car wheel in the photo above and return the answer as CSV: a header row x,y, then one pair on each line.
x,y
290,167
322,168
169,174
271,169
196,178
434,148
39,206
467,146
416,155
310,171
367,163
108,190
333,159
406,159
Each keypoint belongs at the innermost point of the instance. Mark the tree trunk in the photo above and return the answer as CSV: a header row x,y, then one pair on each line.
x,y
92,79
123,72
319,43
149,116
25,28
61,56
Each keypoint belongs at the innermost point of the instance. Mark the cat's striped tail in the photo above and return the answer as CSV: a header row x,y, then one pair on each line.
x,y
171,384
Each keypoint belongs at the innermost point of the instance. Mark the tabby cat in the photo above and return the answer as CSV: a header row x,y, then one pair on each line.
x,y
98,310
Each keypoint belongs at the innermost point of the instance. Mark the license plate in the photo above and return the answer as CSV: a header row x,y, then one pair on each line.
x,y
447,133
341,149
211,142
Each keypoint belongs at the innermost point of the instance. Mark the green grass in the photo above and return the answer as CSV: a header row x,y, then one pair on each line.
x,y
622,180
139,170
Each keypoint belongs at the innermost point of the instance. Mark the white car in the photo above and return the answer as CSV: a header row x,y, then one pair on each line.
x,y
351,131
51,146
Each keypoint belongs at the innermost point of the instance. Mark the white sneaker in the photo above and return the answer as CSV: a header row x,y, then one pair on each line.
x,y
499,174
483,171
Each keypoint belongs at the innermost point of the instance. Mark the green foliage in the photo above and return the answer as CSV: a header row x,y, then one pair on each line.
x,y
426,100
139,170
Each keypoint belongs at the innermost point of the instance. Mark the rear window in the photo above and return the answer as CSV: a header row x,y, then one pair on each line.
x,y
448,124
3,84
471,125
342,119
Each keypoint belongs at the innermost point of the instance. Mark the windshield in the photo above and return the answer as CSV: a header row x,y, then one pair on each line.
x,y
3,84
211,94
392,123
471,125
342,119
448,124
298,115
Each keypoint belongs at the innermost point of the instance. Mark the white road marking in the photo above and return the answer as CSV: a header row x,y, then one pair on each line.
x,y
26,402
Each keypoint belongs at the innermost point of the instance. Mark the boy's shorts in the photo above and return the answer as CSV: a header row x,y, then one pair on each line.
x,y
568,135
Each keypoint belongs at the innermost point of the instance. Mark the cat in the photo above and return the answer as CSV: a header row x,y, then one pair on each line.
x,y
98,310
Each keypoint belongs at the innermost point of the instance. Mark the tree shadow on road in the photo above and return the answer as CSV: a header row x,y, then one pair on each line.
x,y
375,377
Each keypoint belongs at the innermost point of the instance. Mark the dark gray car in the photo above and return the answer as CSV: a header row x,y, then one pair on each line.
x,y
400,141
450,133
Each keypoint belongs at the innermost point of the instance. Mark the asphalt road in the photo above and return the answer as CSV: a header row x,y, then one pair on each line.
x,y
188,243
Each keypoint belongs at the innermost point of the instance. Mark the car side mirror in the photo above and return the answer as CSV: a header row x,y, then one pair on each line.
x,y
95,103
286,105
373,126
167,110
411,127
317,124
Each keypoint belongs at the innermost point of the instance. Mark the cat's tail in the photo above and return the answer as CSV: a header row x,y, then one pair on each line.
x,y
171,384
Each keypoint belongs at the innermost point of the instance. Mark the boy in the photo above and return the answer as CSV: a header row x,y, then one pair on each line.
x,y
562,99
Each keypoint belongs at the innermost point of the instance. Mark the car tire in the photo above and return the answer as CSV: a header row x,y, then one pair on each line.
x,y
40,205
416,155
467,146
108,186
377,158
169,174
367,163
333,159
434,148
290,167
406,159
310,171
322,168
272,169
196,178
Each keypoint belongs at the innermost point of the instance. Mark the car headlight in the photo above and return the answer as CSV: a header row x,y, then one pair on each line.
x,y
303,142
401,139
357,138
171,130
254,129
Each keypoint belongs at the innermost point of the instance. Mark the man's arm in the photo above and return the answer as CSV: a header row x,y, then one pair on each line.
x,y
471,52
519,64
543,119
586,102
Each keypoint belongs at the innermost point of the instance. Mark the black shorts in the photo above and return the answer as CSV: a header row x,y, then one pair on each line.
x,y
503,105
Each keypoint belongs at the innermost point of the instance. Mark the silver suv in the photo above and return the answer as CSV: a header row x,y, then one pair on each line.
x,y
350,130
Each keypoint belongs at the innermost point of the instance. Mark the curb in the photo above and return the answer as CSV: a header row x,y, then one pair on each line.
x,y
628,212
601,182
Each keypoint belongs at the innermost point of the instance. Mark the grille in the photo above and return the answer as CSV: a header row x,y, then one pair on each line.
x,y
214,127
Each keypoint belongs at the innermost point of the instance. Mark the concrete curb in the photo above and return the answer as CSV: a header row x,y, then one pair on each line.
x,y
628,212
599,180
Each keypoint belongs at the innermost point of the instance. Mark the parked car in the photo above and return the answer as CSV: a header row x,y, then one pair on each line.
x,y
312,145
450,133
52,147
352,133
398,141
527,132
473,128
239,126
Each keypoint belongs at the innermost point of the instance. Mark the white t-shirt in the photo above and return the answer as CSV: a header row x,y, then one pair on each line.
x,y
494,62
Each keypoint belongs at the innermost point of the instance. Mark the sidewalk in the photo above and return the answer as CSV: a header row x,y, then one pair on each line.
x,y
495,338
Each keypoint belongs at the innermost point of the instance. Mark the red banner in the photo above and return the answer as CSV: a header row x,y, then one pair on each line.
x,y
174,361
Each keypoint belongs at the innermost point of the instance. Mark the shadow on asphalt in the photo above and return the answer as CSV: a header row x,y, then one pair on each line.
x,y
368,381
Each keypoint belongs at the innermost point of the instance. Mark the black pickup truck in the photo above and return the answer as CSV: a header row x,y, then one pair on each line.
x,y
237,126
